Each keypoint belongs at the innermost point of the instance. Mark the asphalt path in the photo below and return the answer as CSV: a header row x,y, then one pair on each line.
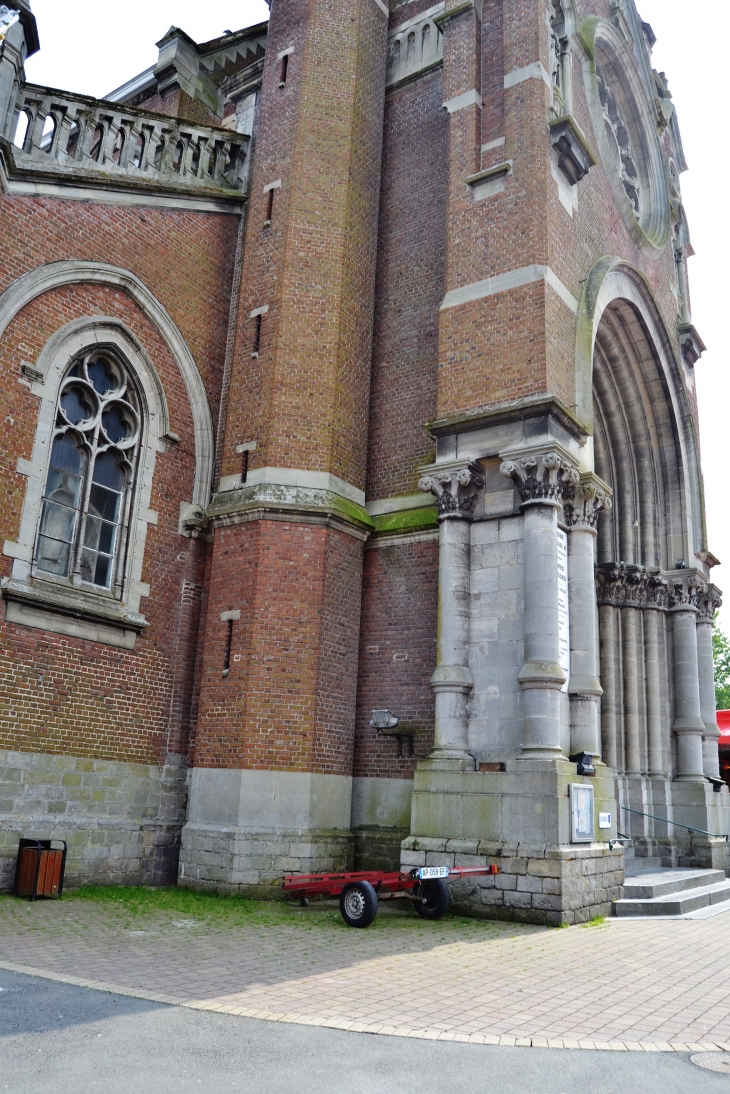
x,y
59,1039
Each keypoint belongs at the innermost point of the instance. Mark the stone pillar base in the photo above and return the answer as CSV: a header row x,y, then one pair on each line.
x,y
549,885
519,819
247,828
251,861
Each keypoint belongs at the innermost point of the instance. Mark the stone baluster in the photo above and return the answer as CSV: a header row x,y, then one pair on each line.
x,y
710,601
684,596
582,508
541,480
455,492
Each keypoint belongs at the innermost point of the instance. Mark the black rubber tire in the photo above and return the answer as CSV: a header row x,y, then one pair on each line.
x,y
358,904
433,900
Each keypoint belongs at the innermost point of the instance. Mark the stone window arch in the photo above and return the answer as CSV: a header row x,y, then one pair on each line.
x,y
91,474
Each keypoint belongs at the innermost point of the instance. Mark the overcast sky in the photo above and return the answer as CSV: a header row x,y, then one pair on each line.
x,y
93,46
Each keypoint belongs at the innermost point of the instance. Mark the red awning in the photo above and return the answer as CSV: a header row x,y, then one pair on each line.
x,y
723,721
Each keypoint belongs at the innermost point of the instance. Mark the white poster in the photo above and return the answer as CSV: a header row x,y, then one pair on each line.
x,y
563,609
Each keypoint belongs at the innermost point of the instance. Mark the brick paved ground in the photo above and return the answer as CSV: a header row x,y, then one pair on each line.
x,y
638,985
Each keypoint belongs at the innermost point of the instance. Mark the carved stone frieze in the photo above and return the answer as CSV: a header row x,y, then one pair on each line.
x,y
455,490
584,503
546,477
629,586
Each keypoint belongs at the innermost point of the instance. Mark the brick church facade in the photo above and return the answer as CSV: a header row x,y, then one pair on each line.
x,y
348,367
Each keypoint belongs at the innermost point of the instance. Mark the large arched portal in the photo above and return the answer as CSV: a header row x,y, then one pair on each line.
x,y
655,599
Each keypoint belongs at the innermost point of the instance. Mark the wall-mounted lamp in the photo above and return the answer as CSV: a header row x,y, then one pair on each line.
x,y
386,724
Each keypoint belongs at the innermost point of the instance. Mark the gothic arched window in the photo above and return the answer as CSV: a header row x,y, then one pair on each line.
x,y
91,473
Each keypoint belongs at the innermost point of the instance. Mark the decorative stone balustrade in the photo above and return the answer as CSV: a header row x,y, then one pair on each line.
x,y
69,135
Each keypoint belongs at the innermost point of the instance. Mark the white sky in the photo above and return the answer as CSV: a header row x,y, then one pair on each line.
x,y
92,46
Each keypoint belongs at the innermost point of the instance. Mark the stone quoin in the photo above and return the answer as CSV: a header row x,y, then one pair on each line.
x,y
348,365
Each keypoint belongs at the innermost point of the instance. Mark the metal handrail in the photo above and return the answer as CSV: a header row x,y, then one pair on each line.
x,y
677,824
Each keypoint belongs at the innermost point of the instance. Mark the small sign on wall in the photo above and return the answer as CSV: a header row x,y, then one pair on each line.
x,y
604,820
581,813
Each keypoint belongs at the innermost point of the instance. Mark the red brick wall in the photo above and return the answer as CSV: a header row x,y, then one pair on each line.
x,y
288,700
60,694
397,653
409,287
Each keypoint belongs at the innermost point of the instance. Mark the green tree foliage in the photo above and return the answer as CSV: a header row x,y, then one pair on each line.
x,y
721,653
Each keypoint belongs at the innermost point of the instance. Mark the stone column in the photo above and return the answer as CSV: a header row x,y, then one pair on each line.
x,y
455,492
655,602
541,481
582,509
684,595
606,621
709,603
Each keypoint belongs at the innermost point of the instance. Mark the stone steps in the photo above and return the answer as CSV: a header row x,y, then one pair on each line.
x,y
673,892
634,866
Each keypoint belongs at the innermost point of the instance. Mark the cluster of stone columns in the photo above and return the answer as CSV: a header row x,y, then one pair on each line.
x,y
635,603
632,601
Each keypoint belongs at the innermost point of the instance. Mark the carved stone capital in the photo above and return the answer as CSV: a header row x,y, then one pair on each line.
x,y
629,586
584,503
710,601
545,477
686,592
455,491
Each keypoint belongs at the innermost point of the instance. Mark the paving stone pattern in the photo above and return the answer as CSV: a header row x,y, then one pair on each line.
x,y
633,985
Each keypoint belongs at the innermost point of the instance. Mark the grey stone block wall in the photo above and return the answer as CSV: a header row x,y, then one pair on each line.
x,y
121,821
534,884
251,862
378,848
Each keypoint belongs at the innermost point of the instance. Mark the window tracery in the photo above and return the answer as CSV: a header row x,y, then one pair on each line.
x,y
620,142
91,474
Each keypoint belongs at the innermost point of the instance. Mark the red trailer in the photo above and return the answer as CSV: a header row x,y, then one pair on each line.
x,y
360,890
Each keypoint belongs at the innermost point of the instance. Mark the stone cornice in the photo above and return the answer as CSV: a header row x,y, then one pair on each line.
x,y
520,410
267,501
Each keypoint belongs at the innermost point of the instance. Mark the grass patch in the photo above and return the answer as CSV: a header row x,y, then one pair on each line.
x,y
211,909
597,921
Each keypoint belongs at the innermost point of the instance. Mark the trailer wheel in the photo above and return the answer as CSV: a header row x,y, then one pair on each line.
x,y
433,900
358,904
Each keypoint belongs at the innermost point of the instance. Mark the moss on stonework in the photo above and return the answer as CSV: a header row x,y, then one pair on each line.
x,y
407,520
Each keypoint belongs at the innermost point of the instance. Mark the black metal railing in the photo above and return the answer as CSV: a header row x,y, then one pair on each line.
x,y
677,824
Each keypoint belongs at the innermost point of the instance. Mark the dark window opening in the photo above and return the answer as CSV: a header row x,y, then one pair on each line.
x,y
229,643
284,70
257,336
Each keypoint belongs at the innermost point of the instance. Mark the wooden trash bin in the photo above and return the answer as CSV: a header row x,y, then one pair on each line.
x,y
40,868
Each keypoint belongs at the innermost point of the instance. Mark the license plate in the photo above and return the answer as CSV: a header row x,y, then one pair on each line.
x,y
429,873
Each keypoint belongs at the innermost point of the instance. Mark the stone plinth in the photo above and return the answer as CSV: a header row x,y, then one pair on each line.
x,y
519,819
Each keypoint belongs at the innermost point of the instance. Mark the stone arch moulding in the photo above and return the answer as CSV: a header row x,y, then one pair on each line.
x,y
56,275
625,129
613,279
63,345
